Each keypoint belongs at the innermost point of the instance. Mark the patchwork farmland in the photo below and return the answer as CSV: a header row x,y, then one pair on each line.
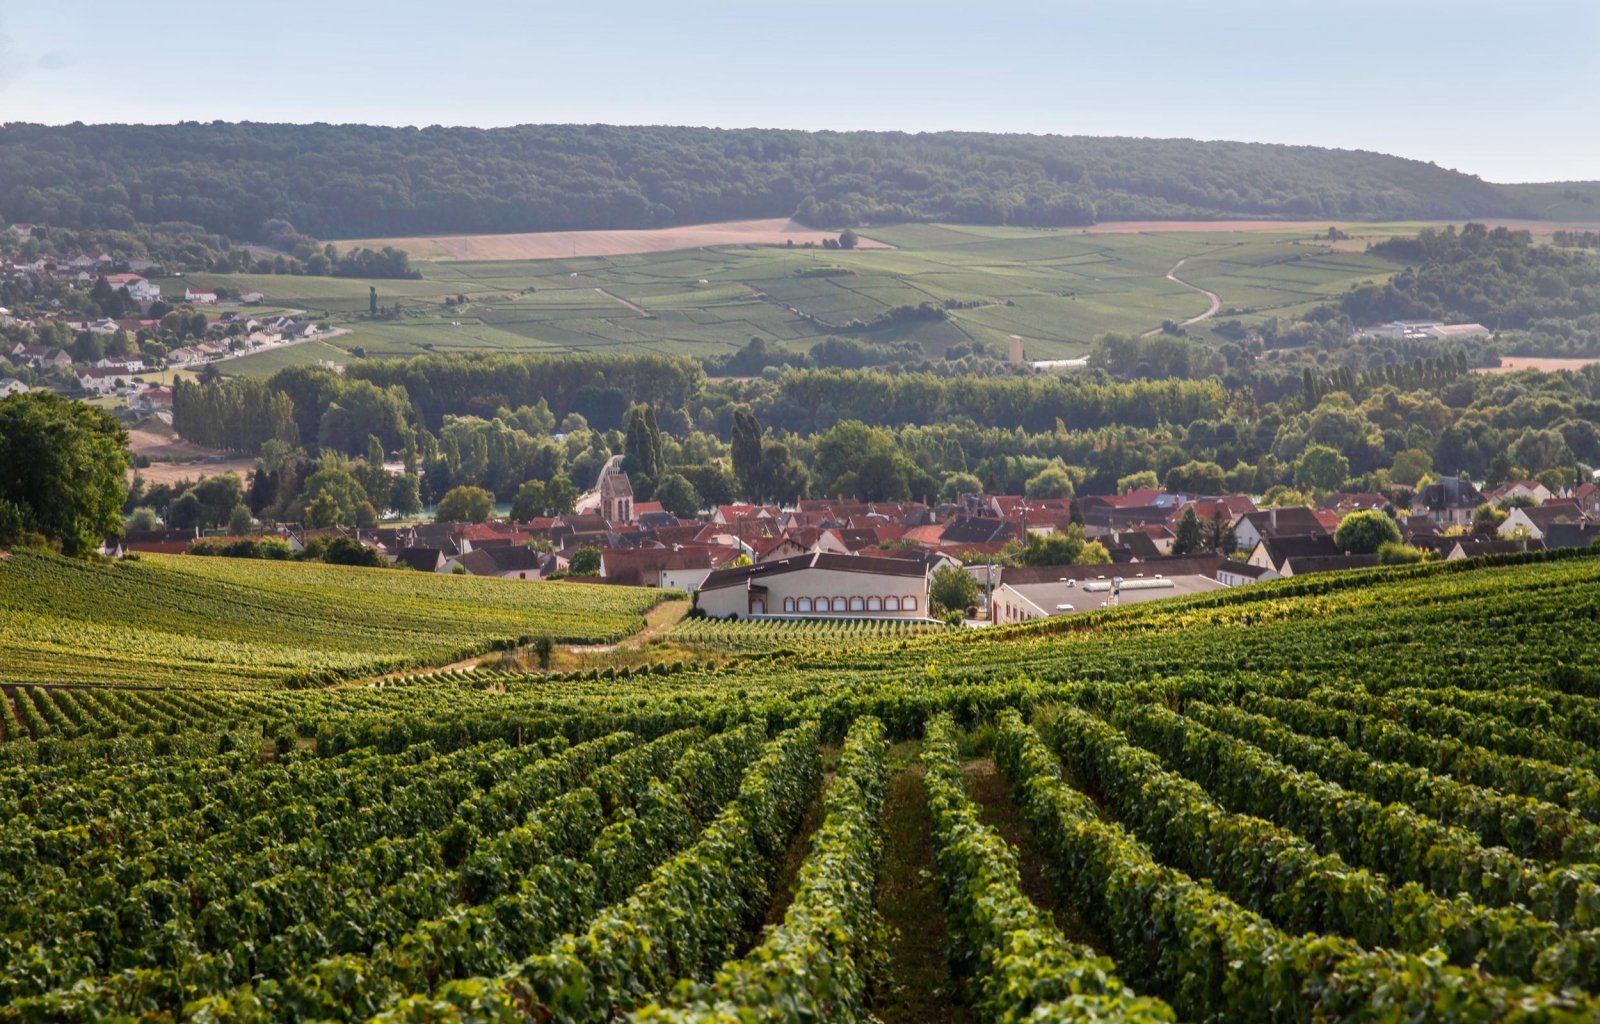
x,y
1057,290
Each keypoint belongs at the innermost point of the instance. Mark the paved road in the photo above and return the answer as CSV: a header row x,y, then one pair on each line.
x,y
1216,303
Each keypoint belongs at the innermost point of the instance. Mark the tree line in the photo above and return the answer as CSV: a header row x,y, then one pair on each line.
x,y
1495,276
880,436
344,181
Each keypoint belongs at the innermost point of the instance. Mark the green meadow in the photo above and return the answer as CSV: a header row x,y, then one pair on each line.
x,y
1057,290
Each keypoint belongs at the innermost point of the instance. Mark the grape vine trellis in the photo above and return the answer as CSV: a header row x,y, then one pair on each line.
x,y
1332,800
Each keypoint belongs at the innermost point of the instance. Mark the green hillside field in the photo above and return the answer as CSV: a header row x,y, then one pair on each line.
x,y
188,621
1055,289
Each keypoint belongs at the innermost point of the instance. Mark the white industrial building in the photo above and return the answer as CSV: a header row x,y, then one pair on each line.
x,y
820,585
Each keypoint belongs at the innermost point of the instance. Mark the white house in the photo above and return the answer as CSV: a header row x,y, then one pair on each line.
x,y
684,578
1529,490
102,380
505,561
1296,521
199,296
819,585
675,568
1536,522
139,289
11,386
151,398
129,364
44,357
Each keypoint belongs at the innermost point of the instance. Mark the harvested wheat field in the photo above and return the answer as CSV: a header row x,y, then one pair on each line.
x,y
174,459
1511,364
555,245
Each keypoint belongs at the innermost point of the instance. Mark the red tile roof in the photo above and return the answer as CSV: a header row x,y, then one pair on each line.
x,y
925,535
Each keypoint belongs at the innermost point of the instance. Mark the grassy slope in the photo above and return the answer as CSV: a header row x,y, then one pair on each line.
x,y
1056,289
186,620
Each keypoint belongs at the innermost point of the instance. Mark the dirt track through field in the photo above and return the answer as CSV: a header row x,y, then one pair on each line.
x,y
1216,303
637,309
559,245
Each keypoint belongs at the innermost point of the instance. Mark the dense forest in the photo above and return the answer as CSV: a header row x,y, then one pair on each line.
x,y
1495,276
502,422
343,181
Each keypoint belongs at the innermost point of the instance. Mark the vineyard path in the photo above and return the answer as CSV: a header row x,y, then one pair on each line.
x,y
1216,301
657,621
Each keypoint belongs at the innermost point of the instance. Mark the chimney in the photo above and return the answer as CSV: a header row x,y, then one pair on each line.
x,y
1273,516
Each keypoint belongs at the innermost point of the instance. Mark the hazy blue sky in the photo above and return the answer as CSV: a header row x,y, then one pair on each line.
x,y
1508,90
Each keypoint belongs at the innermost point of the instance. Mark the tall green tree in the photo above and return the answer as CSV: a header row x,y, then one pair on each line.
x,y
747,452
1195,477
678,496
864,462
953,588
1220,534
405,495
1063,547
560,495
1190,535
530,502
643,451
1053,481
332,497
1364,532
465,505
1320,468
61,471
781,478
1410,466
218,495
143,520
585,562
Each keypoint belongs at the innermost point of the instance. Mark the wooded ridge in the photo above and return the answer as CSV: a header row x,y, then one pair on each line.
x,y
342,181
